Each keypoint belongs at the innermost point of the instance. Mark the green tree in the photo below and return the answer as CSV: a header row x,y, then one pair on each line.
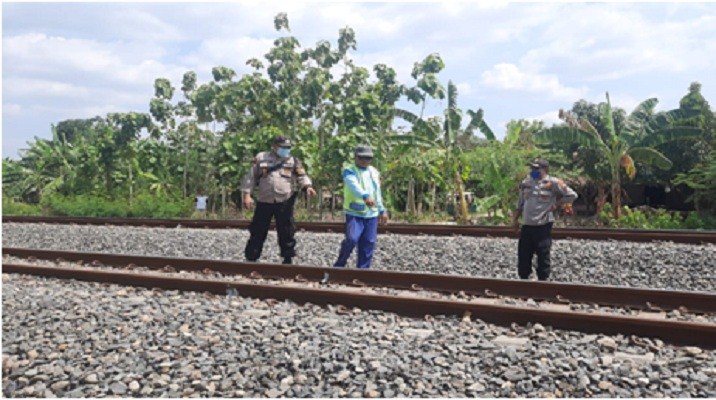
x,y
127,129
702,179
636,140
443,135
695,112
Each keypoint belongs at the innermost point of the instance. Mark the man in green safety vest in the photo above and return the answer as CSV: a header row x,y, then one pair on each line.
x,y
363,208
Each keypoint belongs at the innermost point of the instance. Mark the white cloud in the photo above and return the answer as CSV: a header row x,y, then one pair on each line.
x,y
11,110
509,77
41,53
138,24
228,52
620,41
22,88
130,63
367,21
549,118
511,59
464,88
401,60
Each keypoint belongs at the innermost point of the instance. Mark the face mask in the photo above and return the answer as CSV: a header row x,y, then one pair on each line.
x,y
535,174
283,152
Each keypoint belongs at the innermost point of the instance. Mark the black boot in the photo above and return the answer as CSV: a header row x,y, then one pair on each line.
x,y
287,260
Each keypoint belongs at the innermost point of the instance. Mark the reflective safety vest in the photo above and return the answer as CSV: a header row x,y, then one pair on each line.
x,y
355,204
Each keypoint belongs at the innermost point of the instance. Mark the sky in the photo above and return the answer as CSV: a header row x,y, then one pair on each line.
x,y
514,60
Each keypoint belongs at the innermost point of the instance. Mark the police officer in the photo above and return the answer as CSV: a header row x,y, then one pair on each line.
x,y
274,174
363,208
540,194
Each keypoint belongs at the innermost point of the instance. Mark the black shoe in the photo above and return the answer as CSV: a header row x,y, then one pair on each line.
x,y
287,260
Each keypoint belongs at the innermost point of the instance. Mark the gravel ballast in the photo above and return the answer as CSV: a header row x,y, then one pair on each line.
x,y
675,314
76,339
659,265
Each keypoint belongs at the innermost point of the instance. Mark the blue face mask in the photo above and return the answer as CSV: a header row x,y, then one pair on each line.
x,y
535,174
283,152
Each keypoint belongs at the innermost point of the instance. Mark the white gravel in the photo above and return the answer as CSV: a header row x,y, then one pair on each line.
x,y
76,339
664,265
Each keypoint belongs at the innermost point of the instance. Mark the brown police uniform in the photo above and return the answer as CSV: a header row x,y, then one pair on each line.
x,y
275,180
536,200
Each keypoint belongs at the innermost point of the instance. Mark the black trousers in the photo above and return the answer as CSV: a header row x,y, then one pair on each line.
x,y
285,227
534,239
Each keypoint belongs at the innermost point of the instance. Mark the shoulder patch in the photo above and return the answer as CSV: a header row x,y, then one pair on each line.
x,y
561,184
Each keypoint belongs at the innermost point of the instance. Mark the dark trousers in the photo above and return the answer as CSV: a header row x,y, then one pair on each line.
x,y
534,239
362,232
285,228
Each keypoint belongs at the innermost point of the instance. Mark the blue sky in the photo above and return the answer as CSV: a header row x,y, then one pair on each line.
x,y
515,60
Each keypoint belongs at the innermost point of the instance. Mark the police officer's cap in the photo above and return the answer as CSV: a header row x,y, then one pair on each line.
x,y
282,141
539,163
363,150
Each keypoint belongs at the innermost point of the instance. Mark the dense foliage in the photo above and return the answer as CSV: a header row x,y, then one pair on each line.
x,y
202,136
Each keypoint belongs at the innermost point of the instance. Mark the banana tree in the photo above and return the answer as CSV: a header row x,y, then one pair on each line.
x,y
444,136
47,166
636,141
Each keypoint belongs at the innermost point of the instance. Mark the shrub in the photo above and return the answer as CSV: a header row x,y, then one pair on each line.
x,y
84,206
150,206
144,205
656,219
11,207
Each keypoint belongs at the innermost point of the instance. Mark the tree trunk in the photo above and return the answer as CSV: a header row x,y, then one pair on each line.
x,y
108,180
410,201
433,191
418,199
320,204
186,162
616,195
131,184
601,199
462,213
333,203
223,199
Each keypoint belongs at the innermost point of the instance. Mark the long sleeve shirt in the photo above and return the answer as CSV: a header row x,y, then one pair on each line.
x,y
365,184
538,197
274,181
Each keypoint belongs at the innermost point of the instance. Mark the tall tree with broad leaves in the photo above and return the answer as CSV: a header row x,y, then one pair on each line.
x,y
127,129
687,154
642,132
443,135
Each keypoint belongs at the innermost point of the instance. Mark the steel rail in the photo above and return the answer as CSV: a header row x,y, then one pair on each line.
x,y
634,235
677,332
650,299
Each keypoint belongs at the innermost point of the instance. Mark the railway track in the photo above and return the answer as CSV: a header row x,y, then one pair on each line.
x,y
361,288
634,235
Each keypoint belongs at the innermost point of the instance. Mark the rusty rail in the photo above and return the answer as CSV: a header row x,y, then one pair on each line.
x,y
634,235
553,291
677,332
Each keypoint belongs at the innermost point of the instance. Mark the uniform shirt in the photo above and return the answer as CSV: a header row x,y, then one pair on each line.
x,y
201,203
537,197
274,186
363,185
